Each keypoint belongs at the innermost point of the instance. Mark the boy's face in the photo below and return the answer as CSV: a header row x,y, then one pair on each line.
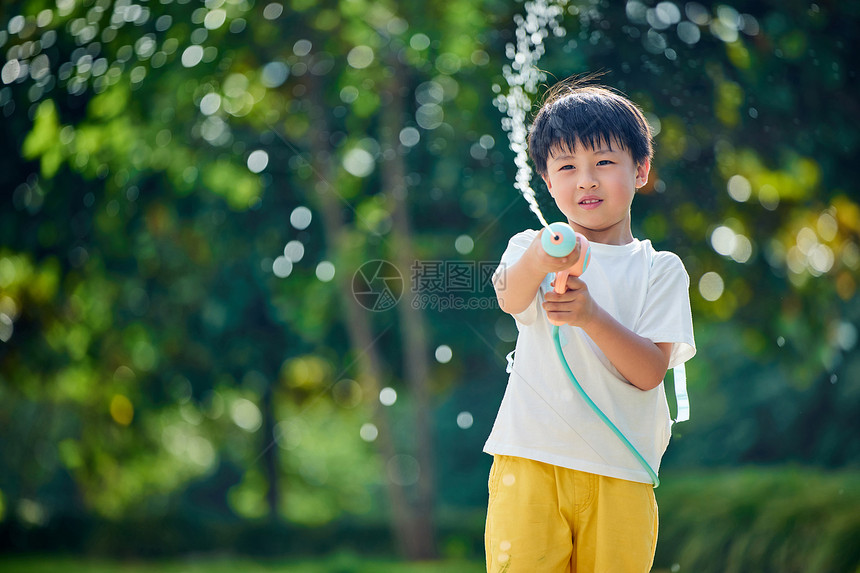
x,y
594,188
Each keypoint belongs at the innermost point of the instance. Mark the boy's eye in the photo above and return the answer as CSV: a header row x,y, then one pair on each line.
x,y
604,162
566,167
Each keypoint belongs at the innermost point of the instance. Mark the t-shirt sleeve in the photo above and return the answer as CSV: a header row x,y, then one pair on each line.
x,y
667,316
516,247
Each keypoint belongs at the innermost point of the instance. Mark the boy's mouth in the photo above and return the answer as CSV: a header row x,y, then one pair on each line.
x,y
590,202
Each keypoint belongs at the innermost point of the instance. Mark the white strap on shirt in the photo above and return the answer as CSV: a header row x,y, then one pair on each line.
x,y
682,399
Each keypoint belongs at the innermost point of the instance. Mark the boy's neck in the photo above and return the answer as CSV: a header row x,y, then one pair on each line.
x,y
616,235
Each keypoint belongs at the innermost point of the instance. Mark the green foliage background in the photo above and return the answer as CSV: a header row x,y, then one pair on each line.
x,y
175,352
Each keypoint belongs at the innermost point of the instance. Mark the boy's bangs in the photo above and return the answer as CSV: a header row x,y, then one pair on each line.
x,y
589,122
590,116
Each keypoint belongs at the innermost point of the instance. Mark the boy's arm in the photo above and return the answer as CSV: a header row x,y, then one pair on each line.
x,y
640,361
517,284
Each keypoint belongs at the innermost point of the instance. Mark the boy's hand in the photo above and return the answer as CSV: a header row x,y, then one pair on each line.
x,y
546,263
516,288
574,306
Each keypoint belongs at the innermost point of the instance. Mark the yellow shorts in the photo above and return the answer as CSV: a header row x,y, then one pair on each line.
x,y
545,518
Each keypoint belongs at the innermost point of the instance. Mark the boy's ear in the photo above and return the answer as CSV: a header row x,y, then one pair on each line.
x,y
642,171
547,183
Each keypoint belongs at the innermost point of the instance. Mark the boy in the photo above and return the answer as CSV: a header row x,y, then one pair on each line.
x,y
565,493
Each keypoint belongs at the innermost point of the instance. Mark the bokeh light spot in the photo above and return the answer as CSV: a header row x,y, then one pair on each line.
x,y
302,48
359,162
368,432
121,410
301,217
723,240
274,74
429,116
246,415
192,56
465,420
325,271
419,42
739,188
360,57
6,327
409,136
444,354
464,244
258,160
294,250
210,103
711,286
387,396
215,19
403,470
347,393
282,267
273,11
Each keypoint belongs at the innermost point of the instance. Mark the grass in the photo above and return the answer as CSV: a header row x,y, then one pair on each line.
x,y
340,563
767,520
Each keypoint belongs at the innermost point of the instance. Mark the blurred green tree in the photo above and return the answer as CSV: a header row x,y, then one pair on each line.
x,y
162,324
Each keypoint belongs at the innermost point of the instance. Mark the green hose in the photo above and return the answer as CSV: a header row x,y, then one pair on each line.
x,y
599,412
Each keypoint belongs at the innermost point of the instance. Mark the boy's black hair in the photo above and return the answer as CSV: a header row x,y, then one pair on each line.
x,y
575,113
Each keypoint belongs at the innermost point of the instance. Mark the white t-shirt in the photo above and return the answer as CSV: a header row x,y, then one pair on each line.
x,y
543,418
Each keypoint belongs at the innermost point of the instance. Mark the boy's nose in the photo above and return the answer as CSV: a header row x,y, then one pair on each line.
x,y
587,181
